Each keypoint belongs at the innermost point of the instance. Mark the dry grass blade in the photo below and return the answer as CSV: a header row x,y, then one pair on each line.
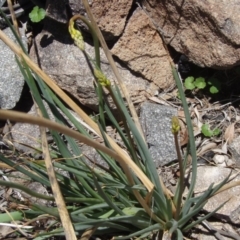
x,y
63,213
119,152
114,68
228,186
17,226
62,209
14,19
5,166
207,147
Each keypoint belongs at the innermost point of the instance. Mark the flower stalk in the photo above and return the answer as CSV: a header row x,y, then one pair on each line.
x,y
175,132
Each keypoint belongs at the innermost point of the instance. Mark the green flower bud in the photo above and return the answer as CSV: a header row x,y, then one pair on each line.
x,y
76,36
102,79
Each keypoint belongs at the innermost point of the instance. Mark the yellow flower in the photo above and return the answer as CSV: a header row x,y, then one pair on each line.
x,y
175,125
101,78
76,36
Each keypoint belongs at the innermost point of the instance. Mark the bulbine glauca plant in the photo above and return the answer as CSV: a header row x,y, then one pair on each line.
x,y
128,199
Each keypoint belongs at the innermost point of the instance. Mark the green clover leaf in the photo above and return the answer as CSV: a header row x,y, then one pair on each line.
x,y
215,85
189,83
37,14
200,83
213,90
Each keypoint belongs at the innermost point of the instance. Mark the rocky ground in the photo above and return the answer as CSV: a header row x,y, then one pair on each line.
x,y
202,40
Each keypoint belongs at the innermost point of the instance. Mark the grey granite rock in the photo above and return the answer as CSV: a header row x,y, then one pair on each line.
x,y
156,123
26,136
202,232
234,148
11,79
207,175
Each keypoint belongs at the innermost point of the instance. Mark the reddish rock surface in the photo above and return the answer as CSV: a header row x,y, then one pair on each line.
x,y
208,31
111,15
142,49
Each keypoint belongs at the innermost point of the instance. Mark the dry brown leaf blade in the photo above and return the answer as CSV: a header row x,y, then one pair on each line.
x,y
207,147
157,100
229,133
88,233
183,129
225,147
199,123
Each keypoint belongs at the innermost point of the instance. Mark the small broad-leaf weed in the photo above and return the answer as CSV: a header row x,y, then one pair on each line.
x,y
37,14
192,83
215,85
207,132
189,83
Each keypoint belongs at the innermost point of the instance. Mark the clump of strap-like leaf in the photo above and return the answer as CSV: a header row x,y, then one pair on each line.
x,y
128,198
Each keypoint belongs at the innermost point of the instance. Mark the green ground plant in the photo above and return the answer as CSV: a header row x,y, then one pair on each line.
x,y
126,200
37,14
192,83
207,132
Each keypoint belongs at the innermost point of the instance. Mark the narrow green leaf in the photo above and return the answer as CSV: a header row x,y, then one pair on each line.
x,y
24,171
144,151
178,235
203,218
197,203
172,226
218,186
106,198
16,216
117,126
123,196
147,230
190,132
93,207
184,219
26,190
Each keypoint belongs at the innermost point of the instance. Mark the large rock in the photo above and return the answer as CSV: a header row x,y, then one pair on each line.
x,y
208,32
156,124
111,15
142,49
11,79
234,148
213,230
207,175
26,137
